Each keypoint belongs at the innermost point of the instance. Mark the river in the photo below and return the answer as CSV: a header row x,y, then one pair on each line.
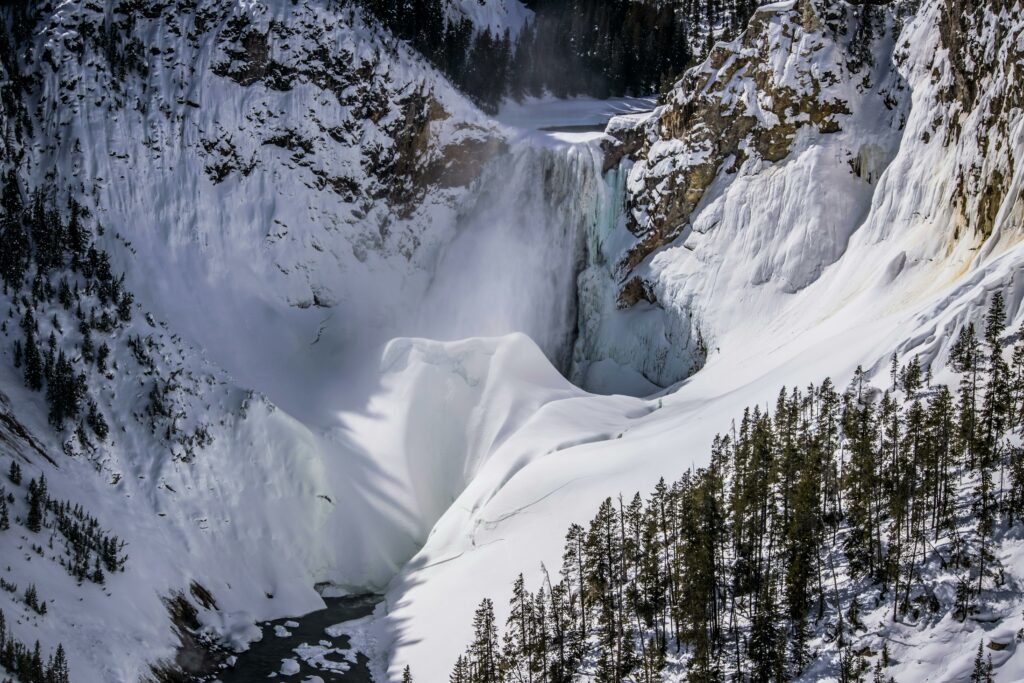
x,y
303,649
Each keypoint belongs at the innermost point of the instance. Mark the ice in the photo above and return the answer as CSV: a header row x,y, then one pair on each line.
x,y
574,121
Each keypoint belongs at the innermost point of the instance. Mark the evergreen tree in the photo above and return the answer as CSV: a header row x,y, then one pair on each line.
x,y
64,393
575,579
965,357
14,257
728,562
34,371
862,545
982,672
37,497
484,652
97,573
77,237
461,672
519,631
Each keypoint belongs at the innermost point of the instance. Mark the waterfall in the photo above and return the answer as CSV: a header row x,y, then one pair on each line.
x,y
638,350
534,251
519,246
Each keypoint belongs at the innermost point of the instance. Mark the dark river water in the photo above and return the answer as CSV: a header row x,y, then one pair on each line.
x,y
267,656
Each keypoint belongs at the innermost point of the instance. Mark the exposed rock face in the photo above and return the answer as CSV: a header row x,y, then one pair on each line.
x,y
283,55
749,99
981,80
804,77
331,134
824,124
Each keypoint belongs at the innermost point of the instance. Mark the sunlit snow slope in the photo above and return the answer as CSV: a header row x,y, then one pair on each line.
x,y
312,213
797,208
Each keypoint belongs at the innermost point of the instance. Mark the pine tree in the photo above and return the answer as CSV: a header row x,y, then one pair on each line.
x,y
14,256
484,651
97,573
96,421
862,481
539,653
57,669
879,675
37,498
33,361
575,578
124,307
964,599
982,672
460,672
35,667
728,561
519,629
602,557
406,674
941,426
767,654
102,354
5,522
803,538
77,238
14,473
965,357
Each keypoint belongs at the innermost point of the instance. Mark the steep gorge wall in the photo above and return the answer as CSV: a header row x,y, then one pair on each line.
x,y
825,135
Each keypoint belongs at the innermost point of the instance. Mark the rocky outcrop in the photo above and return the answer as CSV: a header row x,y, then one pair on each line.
x,y
979,105
750,177
285,55
307,139
748,100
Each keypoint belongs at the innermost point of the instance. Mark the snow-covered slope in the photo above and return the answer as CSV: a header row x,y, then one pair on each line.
x,y
287,188
276,180
813,197
811,147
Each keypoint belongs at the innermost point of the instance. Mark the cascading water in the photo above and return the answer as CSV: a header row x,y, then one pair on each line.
x,y
636,350
535,252
519,246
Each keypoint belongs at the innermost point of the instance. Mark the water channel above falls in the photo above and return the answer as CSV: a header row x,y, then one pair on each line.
x,y
303,648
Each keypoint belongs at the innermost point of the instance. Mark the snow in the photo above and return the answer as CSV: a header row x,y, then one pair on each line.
x,y
549,114
371,457
310,479
794,271
497,16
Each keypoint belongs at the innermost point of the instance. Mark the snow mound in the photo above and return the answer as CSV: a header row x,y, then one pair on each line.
x,y
446,407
